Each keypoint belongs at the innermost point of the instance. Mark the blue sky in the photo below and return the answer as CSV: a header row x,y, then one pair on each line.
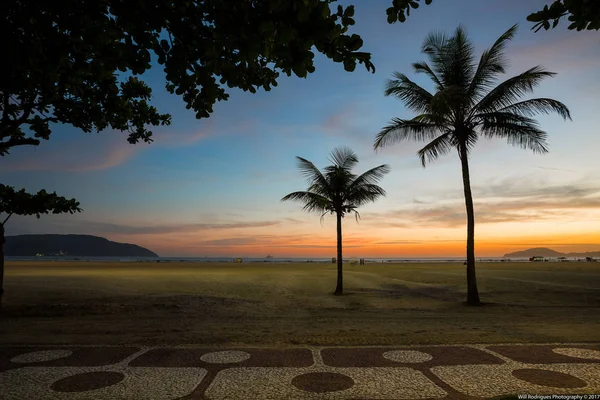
x,y
213,187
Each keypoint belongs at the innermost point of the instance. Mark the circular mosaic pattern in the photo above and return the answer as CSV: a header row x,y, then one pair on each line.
x,y
549,378
322,382
579,353
41,356
87,381
225,357
407,356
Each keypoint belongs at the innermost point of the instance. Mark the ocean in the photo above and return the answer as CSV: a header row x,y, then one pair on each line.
x,y
254,259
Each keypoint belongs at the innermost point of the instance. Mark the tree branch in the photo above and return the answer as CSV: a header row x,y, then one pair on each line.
x,y
9,215
12,142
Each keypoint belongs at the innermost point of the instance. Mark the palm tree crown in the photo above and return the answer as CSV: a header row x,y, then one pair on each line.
x,y
465,104
337,189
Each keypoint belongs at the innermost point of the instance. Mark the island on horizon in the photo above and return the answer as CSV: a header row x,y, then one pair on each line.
x,y
71,245
546,252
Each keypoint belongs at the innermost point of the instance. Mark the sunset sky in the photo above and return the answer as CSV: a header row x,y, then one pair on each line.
x,y
213,187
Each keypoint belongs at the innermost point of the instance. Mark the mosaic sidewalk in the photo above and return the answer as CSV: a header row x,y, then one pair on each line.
x,y
404,372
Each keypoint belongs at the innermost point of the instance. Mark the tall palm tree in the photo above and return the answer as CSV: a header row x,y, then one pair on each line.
x,y
338,191
465,106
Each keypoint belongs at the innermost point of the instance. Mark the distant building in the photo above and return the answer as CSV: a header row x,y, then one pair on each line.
x,y
536,258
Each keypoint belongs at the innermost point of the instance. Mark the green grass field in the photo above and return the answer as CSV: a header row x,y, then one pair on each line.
x,y
287,304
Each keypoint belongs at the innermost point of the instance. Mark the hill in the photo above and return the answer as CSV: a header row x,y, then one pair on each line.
x,y
546,252
71,245
536,251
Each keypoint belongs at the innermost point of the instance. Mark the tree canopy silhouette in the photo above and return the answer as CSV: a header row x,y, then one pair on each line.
x,y
79,63
583,14
338,191
465,106
13,202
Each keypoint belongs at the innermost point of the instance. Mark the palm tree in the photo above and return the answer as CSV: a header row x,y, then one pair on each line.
x,y
338,191
465,106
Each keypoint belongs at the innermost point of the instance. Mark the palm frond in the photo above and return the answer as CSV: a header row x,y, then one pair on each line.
x,y
434,46
470,138
344,158
449,102
434,43
402,129
367,193
492,62
366,181
511,90
532,107
412,95
371,176
313,202
459,58
423,67
339,180
518,130
439,146
311,172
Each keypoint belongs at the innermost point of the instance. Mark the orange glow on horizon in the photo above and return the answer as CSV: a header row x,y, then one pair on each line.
x,y
355,247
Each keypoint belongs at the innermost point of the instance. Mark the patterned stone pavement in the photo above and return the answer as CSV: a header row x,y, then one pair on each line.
x,y
403,372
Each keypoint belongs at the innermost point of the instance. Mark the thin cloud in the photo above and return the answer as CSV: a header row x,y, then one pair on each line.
x,y
173,138
228,242
575,51
419,241
95,151
555,169
495,203
104,228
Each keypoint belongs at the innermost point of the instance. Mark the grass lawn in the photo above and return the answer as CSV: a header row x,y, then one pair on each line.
x,y
271,304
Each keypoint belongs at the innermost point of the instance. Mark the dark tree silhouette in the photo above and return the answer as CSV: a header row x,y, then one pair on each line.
x,y
583,14
338,191
22,203
465,106
78,63
75,62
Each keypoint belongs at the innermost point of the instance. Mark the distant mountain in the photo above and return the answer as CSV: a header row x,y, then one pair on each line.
x,y
546,252
71,245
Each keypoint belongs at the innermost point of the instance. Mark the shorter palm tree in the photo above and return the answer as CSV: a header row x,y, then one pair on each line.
x,y
338,191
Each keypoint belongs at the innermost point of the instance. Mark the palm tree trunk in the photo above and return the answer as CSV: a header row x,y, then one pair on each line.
x,y
2,241
339,289
472,292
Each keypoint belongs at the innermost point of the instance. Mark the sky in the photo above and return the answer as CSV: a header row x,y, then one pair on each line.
x,y
213,187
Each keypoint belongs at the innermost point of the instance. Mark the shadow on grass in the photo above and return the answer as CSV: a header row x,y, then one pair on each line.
x,y
396,291
127,305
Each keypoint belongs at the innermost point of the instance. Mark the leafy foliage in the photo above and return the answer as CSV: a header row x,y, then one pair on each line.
x,y
77,62
583,14
465,104
23,203
337,189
